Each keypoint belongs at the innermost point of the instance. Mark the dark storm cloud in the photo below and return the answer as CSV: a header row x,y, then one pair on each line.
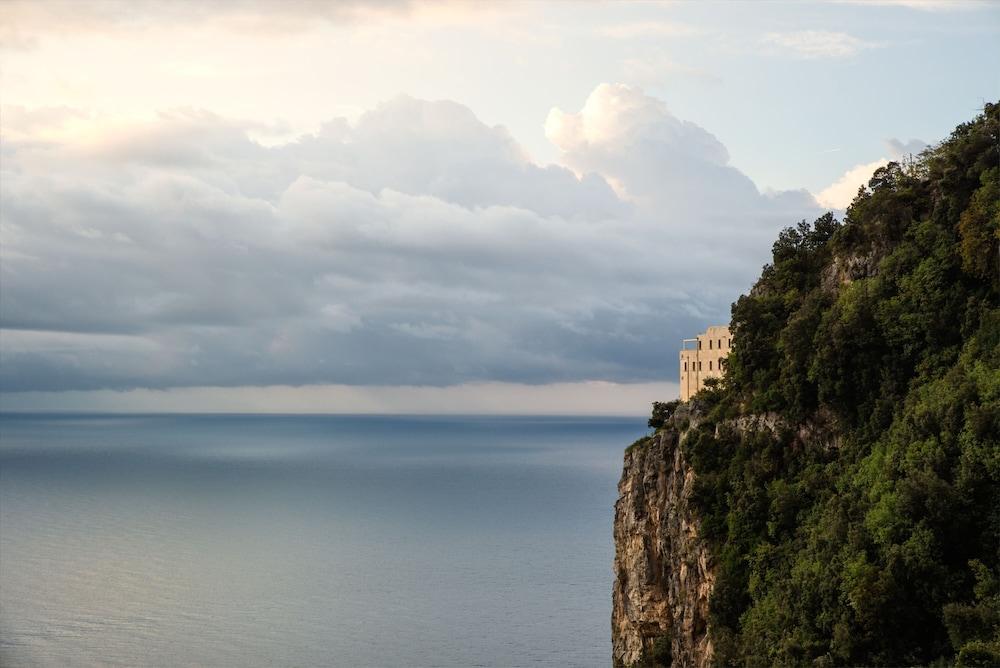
x,y
415,246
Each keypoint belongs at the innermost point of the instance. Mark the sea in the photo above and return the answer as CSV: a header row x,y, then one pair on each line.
x,y
281,540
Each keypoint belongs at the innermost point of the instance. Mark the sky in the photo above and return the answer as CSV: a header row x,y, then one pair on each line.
x,y
430,207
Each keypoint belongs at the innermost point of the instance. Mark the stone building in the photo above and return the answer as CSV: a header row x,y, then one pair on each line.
x,y
702,358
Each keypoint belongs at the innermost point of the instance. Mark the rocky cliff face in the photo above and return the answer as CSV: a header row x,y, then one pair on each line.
x,y
664,573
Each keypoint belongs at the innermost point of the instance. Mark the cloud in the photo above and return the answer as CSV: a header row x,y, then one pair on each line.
x,y
925,5
811,44
414,246
668,166
899,150
640,29
654,68
25,23
842,192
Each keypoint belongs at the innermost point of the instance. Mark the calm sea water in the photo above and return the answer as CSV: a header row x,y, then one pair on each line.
x,y
307,541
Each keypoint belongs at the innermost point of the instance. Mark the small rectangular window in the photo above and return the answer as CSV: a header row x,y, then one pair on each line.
x,y
685,366
710,365
699,366
720,344
710,344
699,345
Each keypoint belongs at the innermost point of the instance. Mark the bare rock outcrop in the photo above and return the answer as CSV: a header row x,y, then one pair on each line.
x,y
663,569
847,269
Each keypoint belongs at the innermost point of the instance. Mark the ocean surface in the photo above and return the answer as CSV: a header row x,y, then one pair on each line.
x,y
265,540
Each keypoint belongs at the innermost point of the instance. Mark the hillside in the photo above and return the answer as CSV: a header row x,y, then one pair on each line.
x,y
841,487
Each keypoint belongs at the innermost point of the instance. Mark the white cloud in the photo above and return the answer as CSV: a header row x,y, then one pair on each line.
x,y
673,169
842,192
412,246
809,44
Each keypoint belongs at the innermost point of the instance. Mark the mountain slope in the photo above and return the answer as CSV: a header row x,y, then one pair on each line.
x,y
846,474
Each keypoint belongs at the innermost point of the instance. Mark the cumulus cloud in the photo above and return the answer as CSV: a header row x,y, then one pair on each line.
x,y
810,44
414,246
634,139
840,193
678,172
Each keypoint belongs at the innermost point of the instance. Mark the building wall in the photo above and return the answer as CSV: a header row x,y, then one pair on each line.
x,y
702,358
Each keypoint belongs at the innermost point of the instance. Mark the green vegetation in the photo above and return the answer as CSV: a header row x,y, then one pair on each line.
x,y
658,656
861,524
662,411
640,442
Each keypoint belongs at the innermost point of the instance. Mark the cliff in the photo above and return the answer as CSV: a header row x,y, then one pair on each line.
x,y
663,568
835,499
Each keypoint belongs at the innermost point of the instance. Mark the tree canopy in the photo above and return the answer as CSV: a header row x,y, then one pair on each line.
x,y
861,526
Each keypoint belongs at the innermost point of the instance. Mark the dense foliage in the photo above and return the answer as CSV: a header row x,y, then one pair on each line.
x,y
859,522
662,411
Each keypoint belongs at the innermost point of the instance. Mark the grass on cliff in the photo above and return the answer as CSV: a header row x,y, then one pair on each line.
x,y
639,443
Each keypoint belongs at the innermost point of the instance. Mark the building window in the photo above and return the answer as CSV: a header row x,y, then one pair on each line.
x,y
699,366
710,344
685,366
699,345
710,365
729,343
720,344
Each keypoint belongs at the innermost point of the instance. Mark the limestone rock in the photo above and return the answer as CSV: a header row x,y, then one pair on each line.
x,y
663,569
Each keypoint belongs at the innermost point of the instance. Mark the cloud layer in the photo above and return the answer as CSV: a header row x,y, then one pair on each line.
x,y
415,246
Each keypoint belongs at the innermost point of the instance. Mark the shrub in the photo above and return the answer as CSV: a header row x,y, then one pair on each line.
x,y
662,411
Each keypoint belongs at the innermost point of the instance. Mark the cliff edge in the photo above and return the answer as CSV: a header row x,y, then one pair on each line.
x,y
663,571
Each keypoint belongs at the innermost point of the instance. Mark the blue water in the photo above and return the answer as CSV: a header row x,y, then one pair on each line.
x,y
307,541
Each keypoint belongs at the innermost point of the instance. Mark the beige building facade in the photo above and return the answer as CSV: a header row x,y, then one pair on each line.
x,y
703,358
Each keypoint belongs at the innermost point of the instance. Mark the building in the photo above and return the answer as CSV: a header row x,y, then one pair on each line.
x,y
702,358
